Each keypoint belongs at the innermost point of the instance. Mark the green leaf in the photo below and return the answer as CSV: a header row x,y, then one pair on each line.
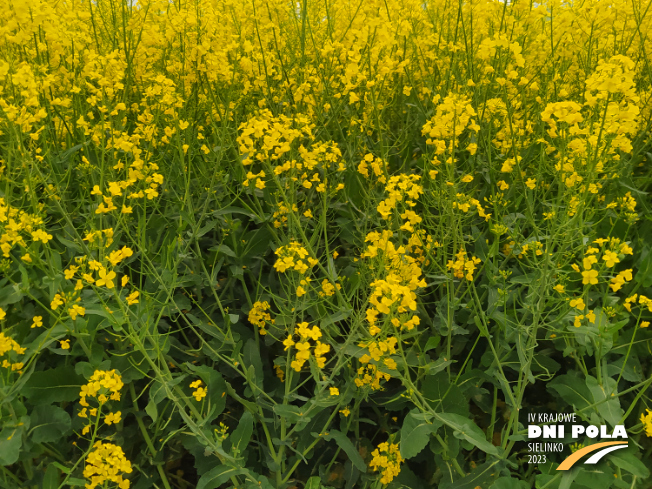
x,y
242,434
291,414
152,410
444,396
313,483
11,439
626,460
609,407
54,385
48,424
415,434
481,476
223,249
51,478
467,429
433,342
437,366
345,444
509,483
218,476
572,390
74,482
251,358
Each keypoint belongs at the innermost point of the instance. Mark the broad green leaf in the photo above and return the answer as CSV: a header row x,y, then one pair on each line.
x,y
251,358
609,407
345,444
313,483
415,434
48,424
218,476
509,483
241,436
11,439
481,476
54,385
292,414
51,478
626,460
572,390
433,342
467,429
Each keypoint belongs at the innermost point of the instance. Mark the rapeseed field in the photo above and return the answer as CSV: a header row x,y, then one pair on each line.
x,y
325,244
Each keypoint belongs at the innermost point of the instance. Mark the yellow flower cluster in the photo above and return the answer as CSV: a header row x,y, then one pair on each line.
x,y
200,392
302,345
642,301
379,355
265,137
378,167
396,291
291,257
107,463
463,267
258,316
399,187
452,117
646,419
16,226
101,384
386,460
464,202
7,346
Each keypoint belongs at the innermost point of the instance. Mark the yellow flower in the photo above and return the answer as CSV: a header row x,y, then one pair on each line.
x,y
590,277
76,310
56,302
334,391
125,280
199,394
288,343
646,419
65,344
345,412
559,288
37,321
133,298
626,249
3,314
106,279
531,183
70,272
611,258
645,324
113,418
578,304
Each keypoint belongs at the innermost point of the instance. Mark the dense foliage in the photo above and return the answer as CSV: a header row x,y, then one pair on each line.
x,y
273,244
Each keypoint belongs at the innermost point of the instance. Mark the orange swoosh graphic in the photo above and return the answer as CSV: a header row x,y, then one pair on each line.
x,y
571,459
